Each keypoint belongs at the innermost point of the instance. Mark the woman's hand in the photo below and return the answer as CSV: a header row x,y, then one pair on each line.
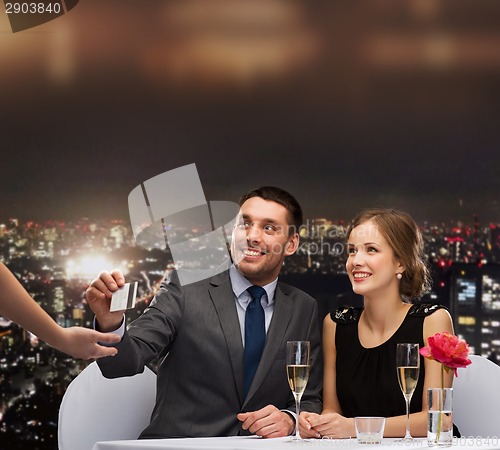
x,y
305,429
84,343
332,425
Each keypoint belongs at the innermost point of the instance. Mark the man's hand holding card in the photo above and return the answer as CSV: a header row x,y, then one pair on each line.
x,y
109,296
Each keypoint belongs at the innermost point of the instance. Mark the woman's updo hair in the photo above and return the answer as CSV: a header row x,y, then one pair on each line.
x,y
405,239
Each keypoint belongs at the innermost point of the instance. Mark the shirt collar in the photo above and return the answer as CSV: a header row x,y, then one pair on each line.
x,y
240,284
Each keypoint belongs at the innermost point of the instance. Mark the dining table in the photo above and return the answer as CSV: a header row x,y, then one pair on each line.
x,y
257,443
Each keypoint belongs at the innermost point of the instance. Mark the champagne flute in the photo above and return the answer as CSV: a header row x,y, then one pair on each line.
x,y
408,368
297,371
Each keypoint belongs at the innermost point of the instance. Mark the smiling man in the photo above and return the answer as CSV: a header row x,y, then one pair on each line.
x,y
220,343
266,233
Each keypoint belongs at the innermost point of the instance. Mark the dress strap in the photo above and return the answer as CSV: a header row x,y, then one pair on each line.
x,y
424,309
346,314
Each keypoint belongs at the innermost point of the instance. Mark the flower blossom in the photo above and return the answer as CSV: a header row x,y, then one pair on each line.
x,y
447,349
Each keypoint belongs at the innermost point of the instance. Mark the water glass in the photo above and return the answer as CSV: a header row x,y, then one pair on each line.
x,y
440,417
369,430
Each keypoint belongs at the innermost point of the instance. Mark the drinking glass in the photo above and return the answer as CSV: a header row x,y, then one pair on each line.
x,y
408,368
440,417
297,371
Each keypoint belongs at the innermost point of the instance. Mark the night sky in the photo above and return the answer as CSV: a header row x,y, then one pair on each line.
x,y
115,92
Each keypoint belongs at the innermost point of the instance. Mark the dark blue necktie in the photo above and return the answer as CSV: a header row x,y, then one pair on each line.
x,y
255,335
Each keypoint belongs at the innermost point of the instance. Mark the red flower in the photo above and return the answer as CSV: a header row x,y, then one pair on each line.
x,y
447,349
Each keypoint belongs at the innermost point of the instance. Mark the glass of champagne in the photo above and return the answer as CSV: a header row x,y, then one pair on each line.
x,y
297,371
408,367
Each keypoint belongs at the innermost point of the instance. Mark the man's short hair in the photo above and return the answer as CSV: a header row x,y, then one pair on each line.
x,y
282,197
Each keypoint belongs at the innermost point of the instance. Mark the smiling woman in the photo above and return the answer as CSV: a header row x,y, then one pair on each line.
x,y
385,265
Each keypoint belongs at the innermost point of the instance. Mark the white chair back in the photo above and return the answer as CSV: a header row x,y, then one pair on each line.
x,y
95,408
476,398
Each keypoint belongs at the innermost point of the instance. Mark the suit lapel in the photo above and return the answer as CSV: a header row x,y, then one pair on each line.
x,y
282,314
222,297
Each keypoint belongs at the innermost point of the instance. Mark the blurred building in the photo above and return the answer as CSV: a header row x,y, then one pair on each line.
x,y
475,305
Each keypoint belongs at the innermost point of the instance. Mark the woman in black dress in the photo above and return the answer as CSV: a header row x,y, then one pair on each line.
x,y
385,265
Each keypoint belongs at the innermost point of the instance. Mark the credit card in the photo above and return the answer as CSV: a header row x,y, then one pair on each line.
x,y
124,298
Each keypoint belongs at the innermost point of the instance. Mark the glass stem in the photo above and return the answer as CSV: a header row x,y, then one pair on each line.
x,y
297,412
407,435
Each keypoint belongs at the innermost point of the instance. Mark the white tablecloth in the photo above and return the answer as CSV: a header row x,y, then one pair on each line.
x,y
256,443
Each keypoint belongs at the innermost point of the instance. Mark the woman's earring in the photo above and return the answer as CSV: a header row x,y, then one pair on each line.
x,y
399,276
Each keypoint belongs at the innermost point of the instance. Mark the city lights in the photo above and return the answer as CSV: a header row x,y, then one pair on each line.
x,y
56,262
87,267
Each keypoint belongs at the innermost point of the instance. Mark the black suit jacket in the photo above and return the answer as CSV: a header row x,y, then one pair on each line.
x,y
194,333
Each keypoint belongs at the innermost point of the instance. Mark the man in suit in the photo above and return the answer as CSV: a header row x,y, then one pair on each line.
x,y
200,336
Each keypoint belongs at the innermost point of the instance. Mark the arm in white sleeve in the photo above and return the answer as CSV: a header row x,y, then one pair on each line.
x,y
120,331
